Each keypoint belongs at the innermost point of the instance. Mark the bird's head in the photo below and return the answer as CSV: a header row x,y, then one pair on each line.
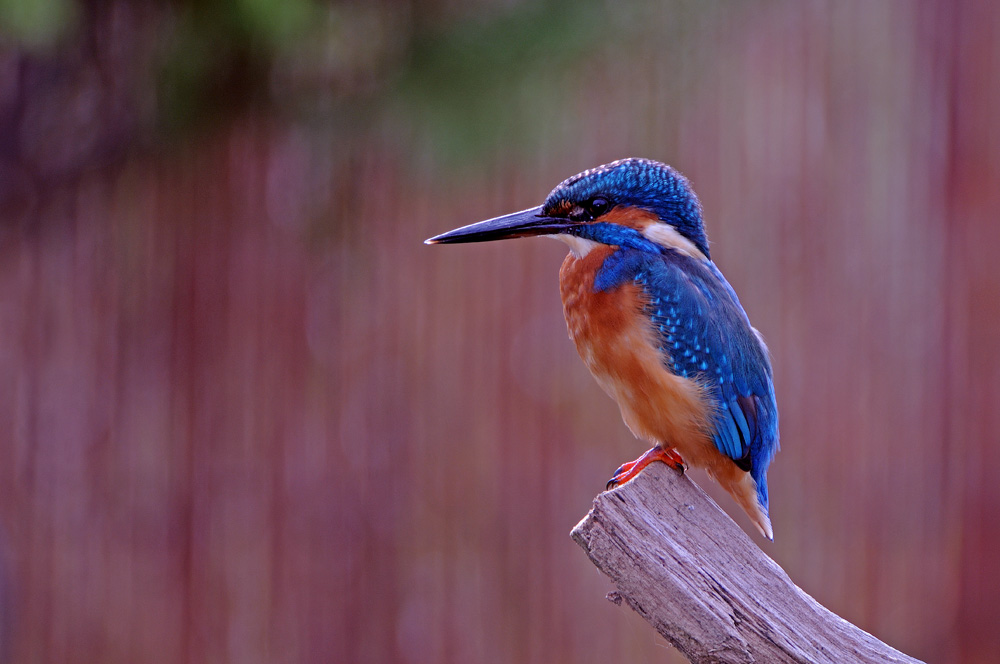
x,y
636,203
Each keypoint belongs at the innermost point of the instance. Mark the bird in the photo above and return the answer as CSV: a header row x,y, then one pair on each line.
x,y
657,324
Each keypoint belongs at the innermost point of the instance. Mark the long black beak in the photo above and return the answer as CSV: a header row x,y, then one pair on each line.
x,y
519,224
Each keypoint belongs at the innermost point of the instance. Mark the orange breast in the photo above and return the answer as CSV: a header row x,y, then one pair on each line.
x,y
618,344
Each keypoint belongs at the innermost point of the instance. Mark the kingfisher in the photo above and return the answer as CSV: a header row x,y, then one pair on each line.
x,y
657,324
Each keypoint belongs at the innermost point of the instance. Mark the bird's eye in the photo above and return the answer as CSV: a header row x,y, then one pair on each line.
x,y
598,206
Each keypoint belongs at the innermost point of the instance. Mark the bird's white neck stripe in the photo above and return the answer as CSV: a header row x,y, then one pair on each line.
x,y
667,236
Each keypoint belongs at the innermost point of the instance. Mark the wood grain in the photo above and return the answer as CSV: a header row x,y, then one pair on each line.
x,y
682,564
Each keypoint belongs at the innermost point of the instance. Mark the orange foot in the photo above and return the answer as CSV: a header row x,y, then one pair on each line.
x,y
629,470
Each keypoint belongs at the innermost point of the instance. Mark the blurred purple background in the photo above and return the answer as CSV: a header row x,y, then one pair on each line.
x,y
246,416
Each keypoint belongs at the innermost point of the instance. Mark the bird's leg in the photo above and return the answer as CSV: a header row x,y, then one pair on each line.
x,y
629,470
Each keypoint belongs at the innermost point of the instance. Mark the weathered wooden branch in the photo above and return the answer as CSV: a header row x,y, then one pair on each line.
x,y
682,564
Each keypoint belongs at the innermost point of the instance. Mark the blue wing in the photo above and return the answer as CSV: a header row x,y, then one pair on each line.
x,y
705,335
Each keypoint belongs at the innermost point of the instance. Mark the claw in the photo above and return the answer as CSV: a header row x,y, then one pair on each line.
x,y
629,470
618,474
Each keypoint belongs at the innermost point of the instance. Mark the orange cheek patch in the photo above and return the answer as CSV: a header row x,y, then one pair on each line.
x,y
629,216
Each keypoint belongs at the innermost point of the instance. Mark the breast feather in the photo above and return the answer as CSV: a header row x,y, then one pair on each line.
x,y
615,338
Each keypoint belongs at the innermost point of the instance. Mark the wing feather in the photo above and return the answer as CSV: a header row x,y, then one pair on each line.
x,y
705,335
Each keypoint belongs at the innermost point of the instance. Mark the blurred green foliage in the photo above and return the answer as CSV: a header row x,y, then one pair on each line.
x,y
457,80
462,81
220,53
479,81
35,23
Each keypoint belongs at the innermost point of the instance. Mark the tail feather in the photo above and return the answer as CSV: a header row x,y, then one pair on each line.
x,y
743,489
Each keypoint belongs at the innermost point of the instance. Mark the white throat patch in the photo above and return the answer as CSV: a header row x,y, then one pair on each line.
x,y
578,246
